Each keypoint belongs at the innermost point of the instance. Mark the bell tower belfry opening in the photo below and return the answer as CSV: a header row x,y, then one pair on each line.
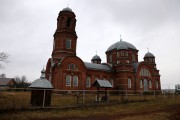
x,y
65,37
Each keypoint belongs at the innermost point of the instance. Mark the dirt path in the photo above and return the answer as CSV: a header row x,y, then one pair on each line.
x,y
173,111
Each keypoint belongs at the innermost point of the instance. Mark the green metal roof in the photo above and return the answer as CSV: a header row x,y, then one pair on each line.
x,y
102,84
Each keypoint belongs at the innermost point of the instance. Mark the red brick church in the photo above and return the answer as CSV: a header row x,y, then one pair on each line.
x,y
66,71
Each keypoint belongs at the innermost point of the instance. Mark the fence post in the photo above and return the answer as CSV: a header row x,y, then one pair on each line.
x,y
126,95
44,98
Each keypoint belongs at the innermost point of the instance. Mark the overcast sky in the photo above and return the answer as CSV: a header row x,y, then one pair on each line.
x,y
27,28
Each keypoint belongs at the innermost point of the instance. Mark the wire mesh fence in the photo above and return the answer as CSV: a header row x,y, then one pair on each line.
x,y
21,98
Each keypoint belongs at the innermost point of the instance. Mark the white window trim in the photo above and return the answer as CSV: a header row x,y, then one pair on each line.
x,y
129,83
150,84
69,79
75,81
141,84
89,82
69,43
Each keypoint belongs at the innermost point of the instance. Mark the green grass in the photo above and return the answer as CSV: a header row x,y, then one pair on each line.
x,y
129,110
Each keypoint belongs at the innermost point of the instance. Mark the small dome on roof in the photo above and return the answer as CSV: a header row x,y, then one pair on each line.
x,y
121,45
67,9
42,82
148,54
96,57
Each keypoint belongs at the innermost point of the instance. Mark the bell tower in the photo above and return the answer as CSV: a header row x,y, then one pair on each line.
x,y
65,37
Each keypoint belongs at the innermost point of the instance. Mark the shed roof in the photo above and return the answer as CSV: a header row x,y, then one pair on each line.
x,y
42,82
5,81
102,84
97,66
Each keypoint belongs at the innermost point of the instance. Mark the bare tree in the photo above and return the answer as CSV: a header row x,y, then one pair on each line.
x,y
21,82
3,75
3,58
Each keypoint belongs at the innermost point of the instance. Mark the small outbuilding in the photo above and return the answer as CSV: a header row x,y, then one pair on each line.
x,y
41,90
102,84
6,83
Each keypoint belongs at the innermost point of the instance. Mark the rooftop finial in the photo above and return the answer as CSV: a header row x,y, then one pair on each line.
x,y
96,52
148,49
42,73
120,38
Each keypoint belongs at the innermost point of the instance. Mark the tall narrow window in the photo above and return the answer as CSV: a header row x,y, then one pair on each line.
x,y
156,84
133,57
140,83
122,53
68,22
68,44
150,59
110,58
68,80
150,84
126,53
75,81
88,82
112,82
145,85
129,83
118,54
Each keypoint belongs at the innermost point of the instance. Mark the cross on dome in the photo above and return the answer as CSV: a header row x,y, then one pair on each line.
x,y
120,38
148,49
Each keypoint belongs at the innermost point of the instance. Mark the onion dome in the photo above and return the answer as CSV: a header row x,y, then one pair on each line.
x,y
42,82
96,57
148,54
121,45
67,9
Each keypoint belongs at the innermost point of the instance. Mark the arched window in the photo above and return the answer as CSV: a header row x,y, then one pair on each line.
x,y
68,44
126,53
150,59
122,53
68,22
129,83
110,58
112,82
150,84
144,72
118,54
71,66
156,84
88,82
75,81
140,83
145,85
133,57
68,80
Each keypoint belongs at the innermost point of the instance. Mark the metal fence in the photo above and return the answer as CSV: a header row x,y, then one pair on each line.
x,y
20,98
